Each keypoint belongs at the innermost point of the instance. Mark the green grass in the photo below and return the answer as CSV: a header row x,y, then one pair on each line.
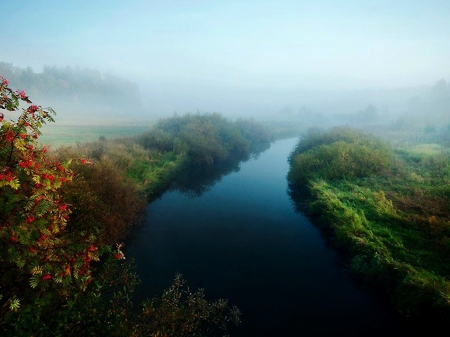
x,y
393,243
58,135
393,226
426,149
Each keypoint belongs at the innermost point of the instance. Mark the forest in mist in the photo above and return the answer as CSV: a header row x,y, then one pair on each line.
x,y
83,96
76,93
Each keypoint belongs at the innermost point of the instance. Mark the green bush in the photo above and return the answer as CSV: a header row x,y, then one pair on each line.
x,y
338,154
205,138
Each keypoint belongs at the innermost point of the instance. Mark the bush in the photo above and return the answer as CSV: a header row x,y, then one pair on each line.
x,y
338,154
101,198
205,139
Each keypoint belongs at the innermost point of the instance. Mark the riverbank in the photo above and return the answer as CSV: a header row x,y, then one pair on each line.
x,y
386,210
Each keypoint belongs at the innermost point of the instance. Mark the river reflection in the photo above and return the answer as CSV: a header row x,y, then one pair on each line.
x,y
241,239
199,180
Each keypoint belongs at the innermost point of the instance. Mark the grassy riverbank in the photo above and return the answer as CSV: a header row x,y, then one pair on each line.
x,y
386,209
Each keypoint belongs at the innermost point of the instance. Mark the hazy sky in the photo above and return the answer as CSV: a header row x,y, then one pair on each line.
x,y
205,52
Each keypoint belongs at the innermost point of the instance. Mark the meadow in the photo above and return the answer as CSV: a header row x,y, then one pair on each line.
x,y
62,135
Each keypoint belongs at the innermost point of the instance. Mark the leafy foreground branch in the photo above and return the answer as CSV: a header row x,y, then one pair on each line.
x,y
60,272
180,312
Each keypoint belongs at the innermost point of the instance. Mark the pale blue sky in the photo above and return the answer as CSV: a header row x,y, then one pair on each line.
x,y
187,47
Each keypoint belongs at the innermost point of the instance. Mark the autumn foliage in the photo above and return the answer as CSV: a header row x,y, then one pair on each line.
x,y
39,258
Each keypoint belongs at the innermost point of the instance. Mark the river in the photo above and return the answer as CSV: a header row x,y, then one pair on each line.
x,y
242,240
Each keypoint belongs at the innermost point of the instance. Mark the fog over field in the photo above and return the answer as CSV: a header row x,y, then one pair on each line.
x,y
241,58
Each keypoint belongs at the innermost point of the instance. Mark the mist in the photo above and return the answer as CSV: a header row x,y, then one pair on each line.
x,y
290,157
264,60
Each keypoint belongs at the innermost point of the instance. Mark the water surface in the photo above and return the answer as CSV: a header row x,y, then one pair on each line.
x,y
242,240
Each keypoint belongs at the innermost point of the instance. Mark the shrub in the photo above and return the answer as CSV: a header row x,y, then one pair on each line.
x,y
338,154
205,139
101,198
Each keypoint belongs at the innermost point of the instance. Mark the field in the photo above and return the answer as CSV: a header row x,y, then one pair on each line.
x,y
65,135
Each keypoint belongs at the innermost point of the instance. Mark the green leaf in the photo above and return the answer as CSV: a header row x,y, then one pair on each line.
x,y
34,281
14,304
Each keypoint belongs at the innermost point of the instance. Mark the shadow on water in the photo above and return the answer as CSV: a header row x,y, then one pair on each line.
x,y
300,198
199,179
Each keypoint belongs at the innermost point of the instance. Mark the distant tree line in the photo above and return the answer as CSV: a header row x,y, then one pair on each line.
x,y
74,85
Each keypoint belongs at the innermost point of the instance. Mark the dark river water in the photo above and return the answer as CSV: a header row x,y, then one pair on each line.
x,y
242,240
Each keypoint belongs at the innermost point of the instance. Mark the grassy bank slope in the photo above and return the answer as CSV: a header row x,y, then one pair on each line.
x,y
386,210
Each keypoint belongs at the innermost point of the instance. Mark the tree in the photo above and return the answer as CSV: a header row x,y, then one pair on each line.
x,y
40,262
